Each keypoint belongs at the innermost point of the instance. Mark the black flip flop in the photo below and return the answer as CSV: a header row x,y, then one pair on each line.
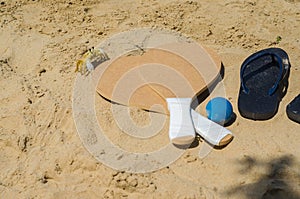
x,y
293,109
264,81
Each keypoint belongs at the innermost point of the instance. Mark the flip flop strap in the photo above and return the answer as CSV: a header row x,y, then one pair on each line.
x,y
254,57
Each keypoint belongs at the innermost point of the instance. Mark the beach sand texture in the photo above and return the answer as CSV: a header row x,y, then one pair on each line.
x,y
41,155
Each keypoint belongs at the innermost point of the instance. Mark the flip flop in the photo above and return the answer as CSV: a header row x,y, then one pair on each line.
x,y
264,81
293,109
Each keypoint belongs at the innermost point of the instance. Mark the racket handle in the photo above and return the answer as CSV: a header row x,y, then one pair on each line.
x,y
210,131
181,129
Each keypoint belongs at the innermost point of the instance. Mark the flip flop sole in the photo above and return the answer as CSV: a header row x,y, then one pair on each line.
x,y
264,80
293,109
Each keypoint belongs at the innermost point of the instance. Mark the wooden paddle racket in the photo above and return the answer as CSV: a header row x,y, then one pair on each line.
x,y
166,79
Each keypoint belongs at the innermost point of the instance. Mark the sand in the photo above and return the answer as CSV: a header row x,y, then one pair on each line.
x,y
41,154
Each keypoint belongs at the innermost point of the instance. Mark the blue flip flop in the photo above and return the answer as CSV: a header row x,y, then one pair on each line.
x,y
264,82
293,109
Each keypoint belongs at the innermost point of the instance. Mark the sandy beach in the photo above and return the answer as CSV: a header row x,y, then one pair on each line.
x,y
41,154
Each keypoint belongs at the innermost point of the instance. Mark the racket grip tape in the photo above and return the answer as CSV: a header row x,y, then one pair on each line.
x,y
181,129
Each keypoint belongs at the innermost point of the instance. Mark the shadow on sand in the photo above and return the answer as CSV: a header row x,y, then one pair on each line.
x,y
281,180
